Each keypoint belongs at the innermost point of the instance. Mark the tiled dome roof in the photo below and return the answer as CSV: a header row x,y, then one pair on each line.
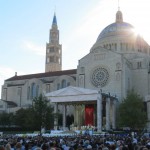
x,y
117,28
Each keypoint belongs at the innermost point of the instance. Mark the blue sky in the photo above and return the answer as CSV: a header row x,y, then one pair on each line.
x,y
25,24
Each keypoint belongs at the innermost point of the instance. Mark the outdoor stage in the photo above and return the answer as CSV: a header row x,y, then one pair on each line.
x,y
55,133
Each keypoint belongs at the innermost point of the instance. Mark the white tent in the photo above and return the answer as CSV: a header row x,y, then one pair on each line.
x,y
72,94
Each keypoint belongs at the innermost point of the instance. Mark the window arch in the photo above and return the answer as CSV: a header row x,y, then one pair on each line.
x,y
28,93
63,83
33,90
37,90
115,46
52,59
109,46
58,86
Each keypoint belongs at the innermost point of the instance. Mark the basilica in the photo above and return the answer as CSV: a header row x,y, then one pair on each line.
x,y
117,62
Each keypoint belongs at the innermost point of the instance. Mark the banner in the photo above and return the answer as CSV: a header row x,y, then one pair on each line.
x,y
89,115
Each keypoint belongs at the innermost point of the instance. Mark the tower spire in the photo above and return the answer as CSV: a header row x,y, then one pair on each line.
x,y
54,20
53,49
119,16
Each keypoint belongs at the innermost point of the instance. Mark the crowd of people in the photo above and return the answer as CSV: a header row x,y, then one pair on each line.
x,y
74,142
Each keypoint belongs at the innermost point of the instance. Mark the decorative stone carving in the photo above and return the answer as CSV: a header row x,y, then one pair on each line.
x,y
100,77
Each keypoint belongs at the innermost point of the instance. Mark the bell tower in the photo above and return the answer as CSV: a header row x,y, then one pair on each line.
x,y
53,60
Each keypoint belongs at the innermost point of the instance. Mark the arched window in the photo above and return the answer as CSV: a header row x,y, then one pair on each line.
x,y
47,88
63,84
28,93
33,90
52,59
58,86
109,46
115,46
37,90
52,49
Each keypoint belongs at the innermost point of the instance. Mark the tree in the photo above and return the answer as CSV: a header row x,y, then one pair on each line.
x,y
6,119
20,117
131,111
24,118
33,118
42,112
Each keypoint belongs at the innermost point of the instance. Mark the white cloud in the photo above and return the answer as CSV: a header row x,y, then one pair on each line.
x,y
31,46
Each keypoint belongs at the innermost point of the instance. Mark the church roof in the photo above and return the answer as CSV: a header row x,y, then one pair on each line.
x,y
42,75
10,103
119,27
73,94
71,90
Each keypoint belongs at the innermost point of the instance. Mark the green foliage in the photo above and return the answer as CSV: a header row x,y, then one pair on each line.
x,y
20,117
33,118
42,112
6,119
131,111
24,118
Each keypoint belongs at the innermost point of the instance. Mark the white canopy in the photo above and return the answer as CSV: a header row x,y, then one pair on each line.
x,y
72,94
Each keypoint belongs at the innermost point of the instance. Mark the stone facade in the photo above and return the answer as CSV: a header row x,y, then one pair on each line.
x,y
22,89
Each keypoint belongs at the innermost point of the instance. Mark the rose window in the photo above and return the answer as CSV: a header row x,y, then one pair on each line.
x,y
100,77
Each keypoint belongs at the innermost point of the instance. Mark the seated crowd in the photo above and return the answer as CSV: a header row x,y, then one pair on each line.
x,y
78,142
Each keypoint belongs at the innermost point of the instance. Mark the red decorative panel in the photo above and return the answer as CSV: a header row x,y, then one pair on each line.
x,y
89,115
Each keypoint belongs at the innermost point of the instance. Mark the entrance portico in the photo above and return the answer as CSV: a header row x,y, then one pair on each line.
x,y
100,106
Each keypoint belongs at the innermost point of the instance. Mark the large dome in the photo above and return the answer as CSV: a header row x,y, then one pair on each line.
x,y
119,28
116,29
120,36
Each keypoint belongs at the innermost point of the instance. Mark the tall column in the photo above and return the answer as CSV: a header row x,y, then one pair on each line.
x,y
108,113
55,118
80,116
75,115
114,114
64,117
99,112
